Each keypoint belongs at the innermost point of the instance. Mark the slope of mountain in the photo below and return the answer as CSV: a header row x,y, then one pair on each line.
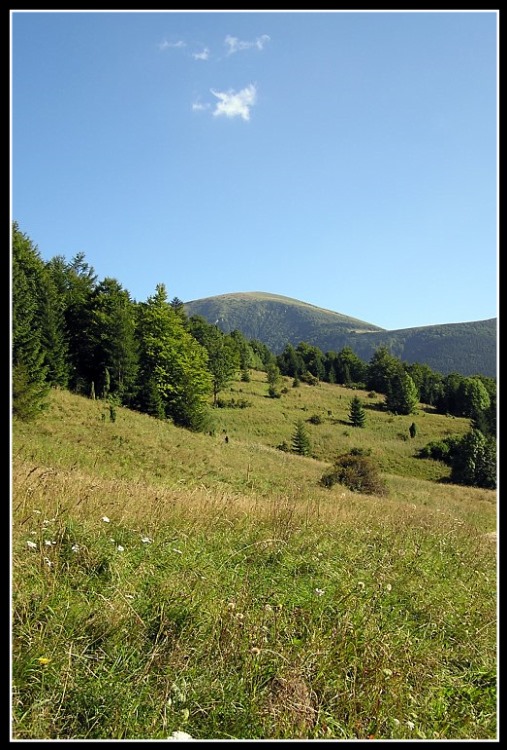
x,y
275,320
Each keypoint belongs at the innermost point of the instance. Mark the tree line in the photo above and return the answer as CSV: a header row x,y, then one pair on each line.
x,y
72,331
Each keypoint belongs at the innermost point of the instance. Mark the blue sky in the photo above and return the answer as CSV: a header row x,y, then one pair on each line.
x,y
348,160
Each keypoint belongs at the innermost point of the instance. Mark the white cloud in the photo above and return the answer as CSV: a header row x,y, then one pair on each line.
x,y
236,45
234,104
198,107
168,45
204,55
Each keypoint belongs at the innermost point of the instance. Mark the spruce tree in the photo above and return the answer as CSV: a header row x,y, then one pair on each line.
x,y
29,371
300,440
402,396
173,372
357,414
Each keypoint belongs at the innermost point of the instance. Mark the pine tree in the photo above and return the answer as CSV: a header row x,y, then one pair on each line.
x,y
357,414
301,440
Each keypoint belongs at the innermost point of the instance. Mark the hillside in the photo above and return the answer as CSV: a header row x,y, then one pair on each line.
x,y
465,348
169,584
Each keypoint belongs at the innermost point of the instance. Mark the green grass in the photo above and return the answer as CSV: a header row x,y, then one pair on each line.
x,y
232,597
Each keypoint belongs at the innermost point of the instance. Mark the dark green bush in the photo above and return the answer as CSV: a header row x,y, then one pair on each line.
x,y
358,472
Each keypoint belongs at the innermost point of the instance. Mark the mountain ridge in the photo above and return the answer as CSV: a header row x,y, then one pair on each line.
x,y
467,348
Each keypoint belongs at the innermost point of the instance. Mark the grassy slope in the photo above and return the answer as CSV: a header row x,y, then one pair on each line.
x,y
262,606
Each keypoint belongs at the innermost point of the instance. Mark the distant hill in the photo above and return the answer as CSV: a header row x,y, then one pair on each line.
x,y
465,348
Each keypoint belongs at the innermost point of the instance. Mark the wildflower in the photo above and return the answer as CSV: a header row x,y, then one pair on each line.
x,y
75,548
178,735
268,608
31,544
49,543
396,722
146,540
319,592
106,519
43,660
120,548
389,587
410,724
388,672
48,562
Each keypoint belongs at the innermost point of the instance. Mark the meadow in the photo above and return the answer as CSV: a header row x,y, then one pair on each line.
x,y
165,581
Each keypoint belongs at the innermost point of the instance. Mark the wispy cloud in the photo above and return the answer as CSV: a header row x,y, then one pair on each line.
x,y
204,55
236,45
198,107
171,45
232,104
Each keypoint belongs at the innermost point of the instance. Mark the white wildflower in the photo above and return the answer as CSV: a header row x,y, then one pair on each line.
x,y
48,542
31,544
106,519
120,548
319,592
48,562
396,722
410,724
146,540
178,735
389,587
75,548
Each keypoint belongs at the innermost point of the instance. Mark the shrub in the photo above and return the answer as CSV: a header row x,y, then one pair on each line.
x,y
441,450
310,379
241,403
358,472
315,419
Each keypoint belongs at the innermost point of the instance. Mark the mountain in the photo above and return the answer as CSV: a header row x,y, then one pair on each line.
x,y
465,348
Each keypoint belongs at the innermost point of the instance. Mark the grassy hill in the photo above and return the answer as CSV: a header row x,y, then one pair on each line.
x,y
167,581
466,348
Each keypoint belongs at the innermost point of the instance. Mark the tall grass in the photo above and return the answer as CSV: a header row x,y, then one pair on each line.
x,y
164,581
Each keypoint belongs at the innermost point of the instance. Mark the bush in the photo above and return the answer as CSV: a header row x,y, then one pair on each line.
x,y
315,419
441,450
358,472
310,379
241,403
